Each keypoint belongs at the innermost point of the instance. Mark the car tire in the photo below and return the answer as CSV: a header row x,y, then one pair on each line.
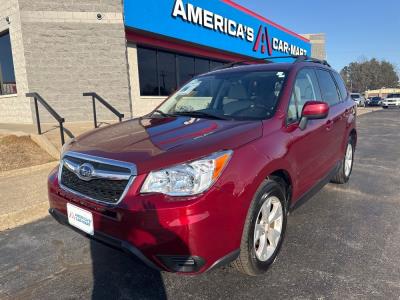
x,y
346,165
261,239
385,107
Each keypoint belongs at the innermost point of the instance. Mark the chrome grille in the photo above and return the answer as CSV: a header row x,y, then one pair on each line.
x,y
98,179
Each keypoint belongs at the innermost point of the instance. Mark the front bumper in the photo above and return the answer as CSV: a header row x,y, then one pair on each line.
x,y
188,236
106,239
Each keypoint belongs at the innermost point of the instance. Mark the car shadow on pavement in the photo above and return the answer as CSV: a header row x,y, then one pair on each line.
x,y
117,275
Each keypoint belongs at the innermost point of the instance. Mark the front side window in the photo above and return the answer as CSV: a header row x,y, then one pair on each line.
x,y
328,87
305,89
237,96
7,76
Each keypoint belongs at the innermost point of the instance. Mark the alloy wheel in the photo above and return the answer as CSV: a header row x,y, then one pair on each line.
x,y
348,160
268,228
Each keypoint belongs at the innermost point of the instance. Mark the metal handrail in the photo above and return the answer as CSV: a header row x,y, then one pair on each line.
x,y
95,97
55,115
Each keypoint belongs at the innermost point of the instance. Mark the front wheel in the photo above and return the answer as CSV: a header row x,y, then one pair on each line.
x,y
264,230
346,165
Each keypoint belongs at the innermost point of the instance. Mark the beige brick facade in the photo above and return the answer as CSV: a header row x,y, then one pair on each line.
x,y
318,44
15,108
62,49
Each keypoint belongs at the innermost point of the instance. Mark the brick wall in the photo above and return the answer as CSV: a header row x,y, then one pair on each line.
x,y
15,108
68,51
318,44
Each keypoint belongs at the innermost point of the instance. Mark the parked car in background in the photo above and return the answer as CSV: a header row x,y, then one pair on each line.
x,y
392,100
375,101
209,177
360,100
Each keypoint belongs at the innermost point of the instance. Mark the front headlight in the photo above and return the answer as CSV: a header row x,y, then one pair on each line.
x,y
189,178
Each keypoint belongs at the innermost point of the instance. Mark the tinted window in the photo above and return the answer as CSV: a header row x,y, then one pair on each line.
x,y
161,72
201,65
328,87
7,75
305,89
166,73
148,72
185,68
341,85
215,64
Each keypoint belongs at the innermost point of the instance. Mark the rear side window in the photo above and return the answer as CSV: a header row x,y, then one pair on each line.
x,y
328,87
305,89
341,85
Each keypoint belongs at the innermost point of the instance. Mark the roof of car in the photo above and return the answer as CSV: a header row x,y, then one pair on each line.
x,y
261,67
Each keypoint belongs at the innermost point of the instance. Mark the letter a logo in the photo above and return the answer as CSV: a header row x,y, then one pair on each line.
x,y
263,40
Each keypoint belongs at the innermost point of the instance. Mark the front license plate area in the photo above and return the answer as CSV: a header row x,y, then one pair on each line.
x,y
80,218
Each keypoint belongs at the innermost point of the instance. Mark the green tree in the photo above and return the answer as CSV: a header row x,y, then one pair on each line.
x,y
369,75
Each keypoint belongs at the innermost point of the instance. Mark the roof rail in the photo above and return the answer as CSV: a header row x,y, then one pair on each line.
x,y
305,58
268,60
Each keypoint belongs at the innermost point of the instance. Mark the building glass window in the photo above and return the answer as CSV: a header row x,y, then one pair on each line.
x,y
7,76
201,66
166,73
215,64
161,72
185,69
148,72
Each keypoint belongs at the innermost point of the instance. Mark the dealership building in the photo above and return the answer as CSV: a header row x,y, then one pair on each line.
x,y
133,54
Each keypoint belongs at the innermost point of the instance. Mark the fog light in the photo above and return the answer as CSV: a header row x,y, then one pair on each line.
x,y
184,264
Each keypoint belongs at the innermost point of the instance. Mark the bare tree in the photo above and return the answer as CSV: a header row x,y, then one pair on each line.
x,y
370,74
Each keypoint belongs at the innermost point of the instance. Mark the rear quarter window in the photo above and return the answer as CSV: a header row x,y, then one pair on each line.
x,y
342,87
329,91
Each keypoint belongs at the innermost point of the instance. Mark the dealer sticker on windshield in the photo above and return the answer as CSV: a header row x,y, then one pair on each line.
x,y
80,218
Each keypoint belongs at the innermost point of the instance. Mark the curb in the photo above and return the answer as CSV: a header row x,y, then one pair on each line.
x,y
28,215
25,171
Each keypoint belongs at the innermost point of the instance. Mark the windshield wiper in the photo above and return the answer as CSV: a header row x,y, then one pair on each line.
x,y
162,113
202,114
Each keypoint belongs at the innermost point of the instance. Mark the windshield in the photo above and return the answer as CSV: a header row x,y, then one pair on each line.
x,y
355,96
376,98
238,96
394,96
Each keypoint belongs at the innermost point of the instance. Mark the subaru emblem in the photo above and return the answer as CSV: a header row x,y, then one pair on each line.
x,y
86,171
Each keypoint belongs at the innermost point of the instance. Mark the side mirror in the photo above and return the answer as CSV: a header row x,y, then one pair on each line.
x,y
313,110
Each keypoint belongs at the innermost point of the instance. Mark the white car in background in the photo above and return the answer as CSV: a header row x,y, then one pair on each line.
x,y
359,99
392,100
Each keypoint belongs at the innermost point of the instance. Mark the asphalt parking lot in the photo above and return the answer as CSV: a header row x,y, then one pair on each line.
x,y
344,243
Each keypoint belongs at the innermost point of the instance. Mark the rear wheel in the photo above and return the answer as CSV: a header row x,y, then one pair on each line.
x,y
346,165
264,230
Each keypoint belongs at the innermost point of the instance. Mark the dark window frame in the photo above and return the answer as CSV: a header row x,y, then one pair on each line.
x,y
14,82
176,55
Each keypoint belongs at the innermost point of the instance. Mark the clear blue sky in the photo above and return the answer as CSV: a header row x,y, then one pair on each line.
x,y
354,29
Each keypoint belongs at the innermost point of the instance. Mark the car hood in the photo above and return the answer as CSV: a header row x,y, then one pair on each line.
x,y
153,143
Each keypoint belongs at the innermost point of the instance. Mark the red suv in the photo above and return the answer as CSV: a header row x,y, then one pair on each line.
x,y
209,177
